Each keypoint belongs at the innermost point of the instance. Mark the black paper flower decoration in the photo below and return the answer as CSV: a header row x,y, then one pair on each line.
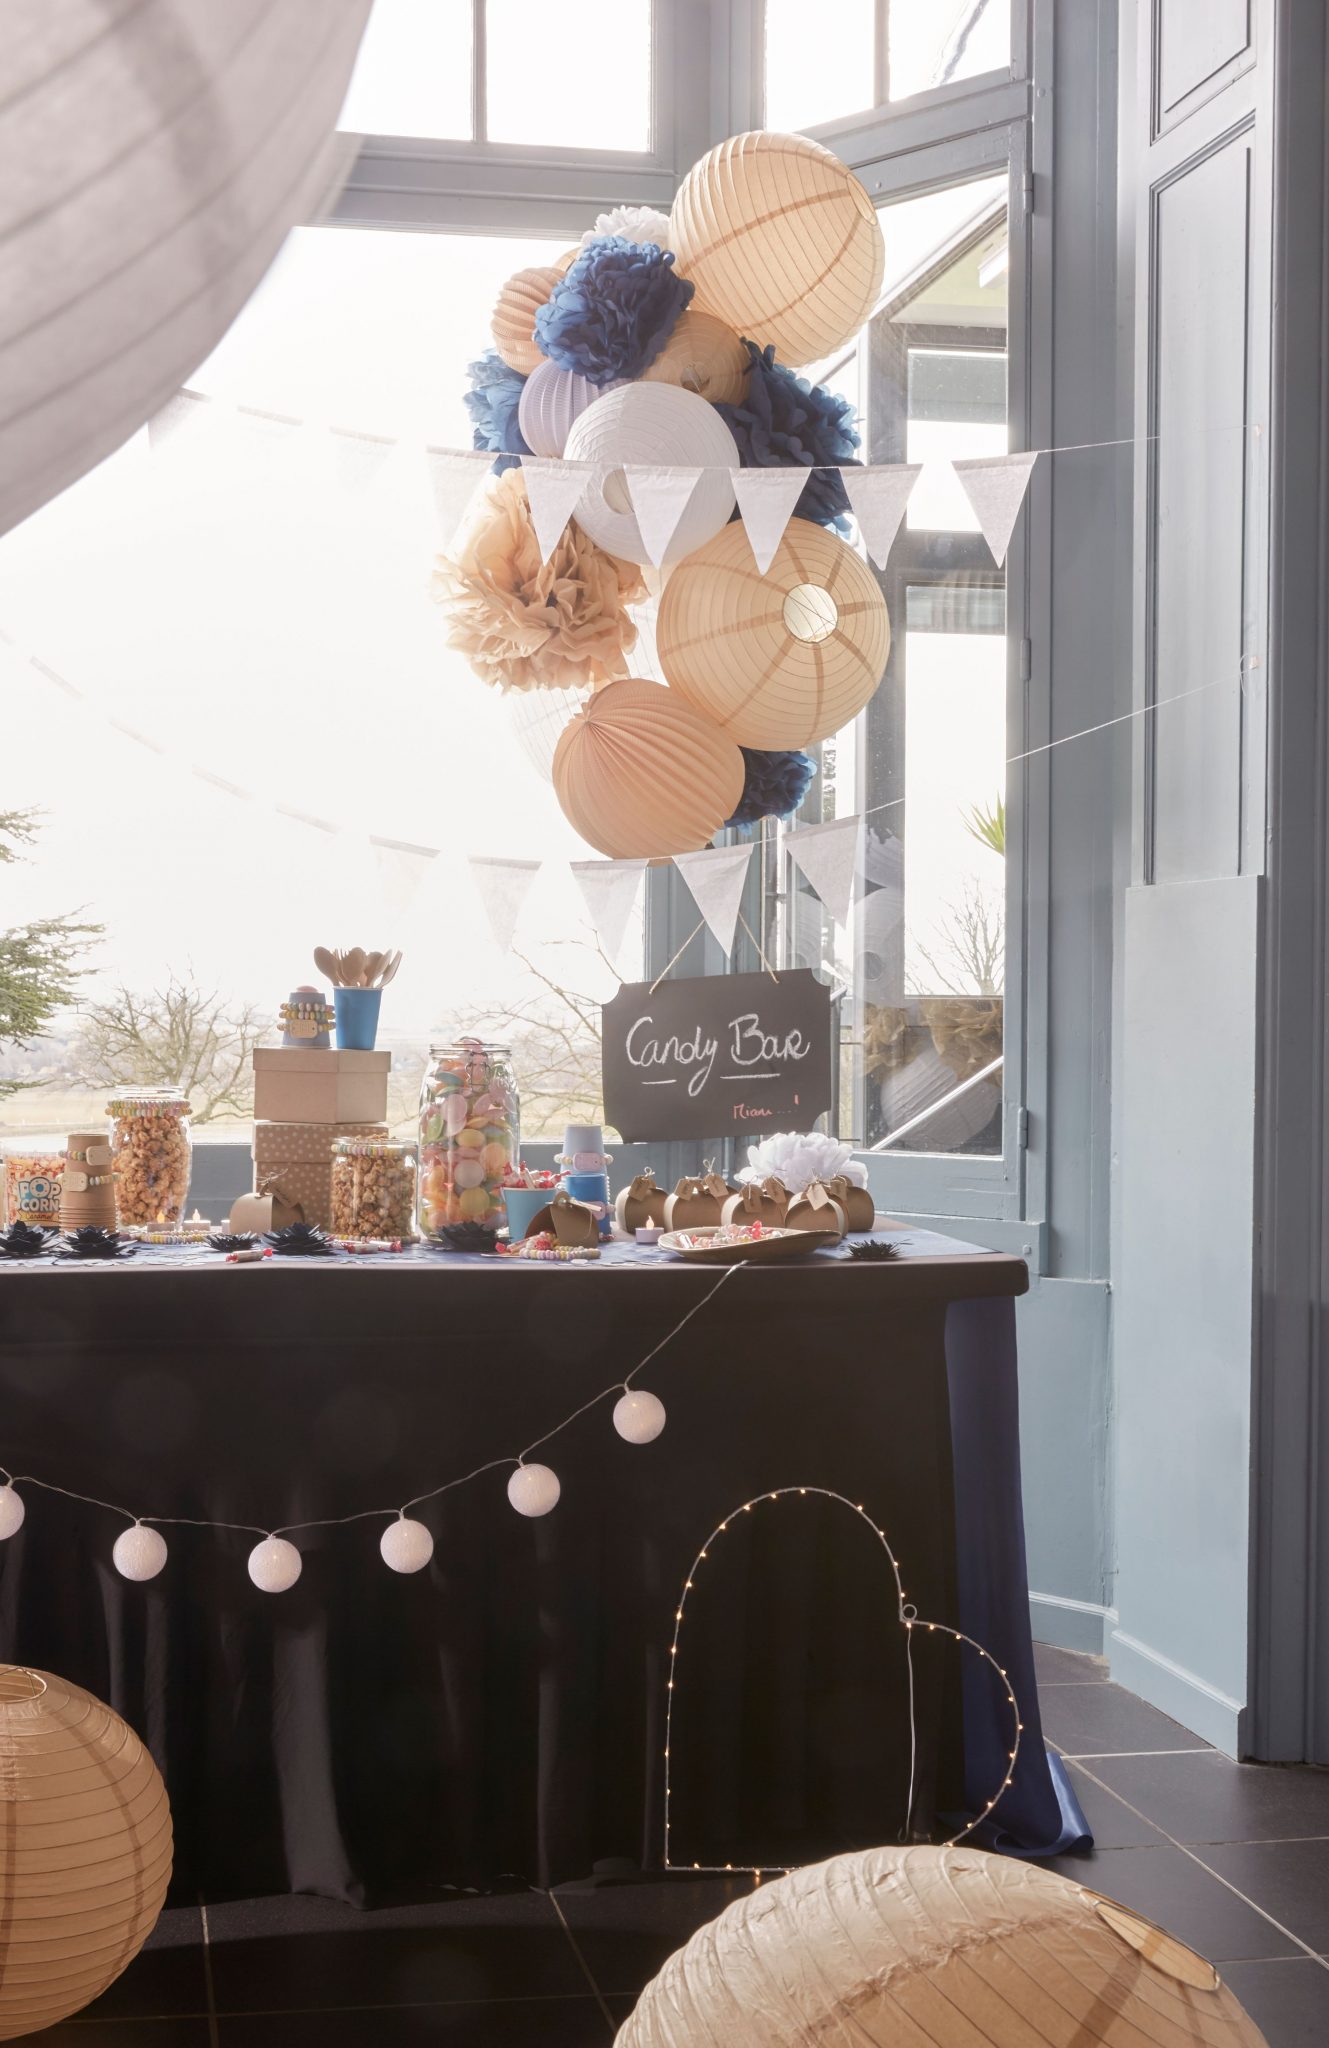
x,y
614,310
467,1237
774,785
92,1242
232,1240
492,403
874,1248
784,420
22,1241
300,1241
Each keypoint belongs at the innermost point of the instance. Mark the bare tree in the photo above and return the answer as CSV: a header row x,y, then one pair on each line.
x,y
174,1037
971,954
554,1034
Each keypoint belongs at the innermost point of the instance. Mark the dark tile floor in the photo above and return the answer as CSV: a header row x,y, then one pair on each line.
x,y
1234,1858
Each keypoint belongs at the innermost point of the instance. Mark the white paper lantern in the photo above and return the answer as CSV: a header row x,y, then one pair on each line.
x,y
551,399
652,425
406,1546
274,1565
12,1511
139,1552
152,160
533,1489
638,1416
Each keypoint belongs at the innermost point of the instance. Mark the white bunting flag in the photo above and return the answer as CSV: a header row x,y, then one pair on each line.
x,y
179,415
610,889
716,878
454,475
995,486
828,856
554,489
766,499
399,871
659,499
878,498
358,458
504,886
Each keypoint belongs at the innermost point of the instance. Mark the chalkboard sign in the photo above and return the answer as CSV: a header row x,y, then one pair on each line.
x,y
717,1055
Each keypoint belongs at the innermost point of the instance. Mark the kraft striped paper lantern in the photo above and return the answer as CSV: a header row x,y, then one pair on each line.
x,y
513,321
781,242
650,425
641,774
779,660
85,1848
950,1947
705,356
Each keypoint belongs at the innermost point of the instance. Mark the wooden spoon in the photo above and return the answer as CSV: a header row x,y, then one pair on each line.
x,y
387,973
326,963
353,965
373,961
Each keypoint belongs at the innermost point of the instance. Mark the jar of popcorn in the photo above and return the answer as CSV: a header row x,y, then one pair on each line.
x,y
152,1153
373,1188
470,1134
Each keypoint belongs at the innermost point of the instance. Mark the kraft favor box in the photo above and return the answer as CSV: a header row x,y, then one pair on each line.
x,y
697,1201
300,1085
295,1160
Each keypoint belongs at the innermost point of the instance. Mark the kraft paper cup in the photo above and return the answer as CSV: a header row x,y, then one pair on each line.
x,y
357,1018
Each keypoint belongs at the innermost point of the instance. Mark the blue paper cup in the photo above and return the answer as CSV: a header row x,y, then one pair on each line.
x,y
592,1187
523,1206
357,1017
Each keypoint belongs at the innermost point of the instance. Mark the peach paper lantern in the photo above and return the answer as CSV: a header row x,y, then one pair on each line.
x,y
781,241
652,425
778,660
513,322
949,1947
705,356
85,1848
641,774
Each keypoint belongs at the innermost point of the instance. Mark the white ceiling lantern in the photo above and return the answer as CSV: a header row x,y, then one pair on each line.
x,y
153,156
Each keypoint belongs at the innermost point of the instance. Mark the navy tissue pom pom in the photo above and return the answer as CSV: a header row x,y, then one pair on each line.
x,y
774,785
615,309
785,420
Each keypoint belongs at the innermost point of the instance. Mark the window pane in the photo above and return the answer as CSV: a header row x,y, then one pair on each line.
x,y
816,74
578,79
413,74
934,42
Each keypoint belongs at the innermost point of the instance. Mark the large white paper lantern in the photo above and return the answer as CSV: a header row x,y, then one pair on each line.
x,y
652,425
948,1947
153,157
551,399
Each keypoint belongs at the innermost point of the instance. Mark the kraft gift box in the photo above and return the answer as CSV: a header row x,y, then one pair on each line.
x,y
295,1159
299,1085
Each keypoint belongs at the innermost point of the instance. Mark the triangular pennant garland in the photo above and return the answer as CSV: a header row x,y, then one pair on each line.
x,y
828,855
358,458
610,889
554,490
504,886
995,486
716,878
766,499
878,498
659,499
454,474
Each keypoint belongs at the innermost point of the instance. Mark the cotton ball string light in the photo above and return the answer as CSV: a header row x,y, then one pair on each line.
x,y
638,1416
12,1511
551,399
139,1552
274,1565
513,322
781,660
704,356
640,773
406,1546
781,241
534,1489
649,425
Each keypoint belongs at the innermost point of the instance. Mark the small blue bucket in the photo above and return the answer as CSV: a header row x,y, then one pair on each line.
x,y
523,1206
357,1017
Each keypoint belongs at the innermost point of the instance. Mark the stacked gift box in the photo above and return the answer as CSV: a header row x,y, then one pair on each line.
x,y
304,1100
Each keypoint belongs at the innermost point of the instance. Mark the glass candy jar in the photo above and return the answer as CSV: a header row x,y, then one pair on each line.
x,y
152,1154
373,1188
470,1135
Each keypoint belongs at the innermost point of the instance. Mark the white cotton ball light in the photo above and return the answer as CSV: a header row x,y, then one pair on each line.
x,y
648,426
406,1546
139,1552
533,1489
551,400
638,1416
12,1511
274,1565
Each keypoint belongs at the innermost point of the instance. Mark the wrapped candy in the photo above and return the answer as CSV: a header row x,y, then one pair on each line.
x,y
470,1130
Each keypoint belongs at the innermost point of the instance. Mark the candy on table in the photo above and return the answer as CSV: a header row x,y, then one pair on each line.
x,y
544,1245
468,1135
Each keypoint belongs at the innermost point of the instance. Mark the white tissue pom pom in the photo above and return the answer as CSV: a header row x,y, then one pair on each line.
x,y
406,1546
796,1157
12,1511
638,1416
633,223
139,1553
533,1489
274,1565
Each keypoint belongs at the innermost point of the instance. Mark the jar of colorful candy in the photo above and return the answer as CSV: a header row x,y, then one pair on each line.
x,y
152,1154
470,1134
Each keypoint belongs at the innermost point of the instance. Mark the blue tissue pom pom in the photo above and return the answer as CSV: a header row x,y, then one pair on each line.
x,y
492,403
613,311
785,420
774,785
